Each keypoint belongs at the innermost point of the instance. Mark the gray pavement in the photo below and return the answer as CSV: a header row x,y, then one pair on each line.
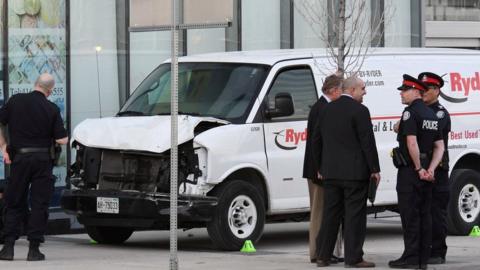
x,y
283,246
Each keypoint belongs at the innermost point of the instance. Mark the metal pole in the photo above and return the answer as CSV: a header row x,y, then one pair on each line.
x,y
98,49
174,139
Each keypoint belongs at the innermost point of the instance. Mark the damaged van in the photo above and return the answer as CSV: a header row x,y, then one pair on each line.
x,y
241,132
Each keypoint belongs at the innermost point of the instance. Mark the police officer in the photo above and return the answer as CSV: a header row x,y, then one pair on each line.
x,y
420,143
441,189
34,123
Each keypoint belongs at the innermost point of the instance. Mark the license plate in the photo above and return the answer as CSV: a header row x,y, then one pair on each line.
x,y
108,205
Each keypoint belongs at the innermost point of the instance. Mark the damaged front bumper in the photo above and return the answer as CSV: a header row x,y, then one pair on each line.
x,y
136,209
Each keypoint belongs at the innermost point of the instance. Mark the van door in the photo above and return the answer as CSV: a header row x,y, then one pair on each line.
x,y
285,137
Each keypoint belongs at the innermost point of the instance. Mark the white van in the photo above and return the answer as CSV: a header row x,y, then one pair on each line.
x,y
241,148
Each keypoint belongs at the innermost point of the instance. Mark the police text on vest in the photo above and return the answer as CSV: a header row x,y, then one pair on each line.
x,y
430,124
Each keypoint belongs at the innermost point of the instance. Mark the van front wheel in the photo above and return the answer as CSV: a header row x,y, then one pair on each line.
x,y
239,215
464,205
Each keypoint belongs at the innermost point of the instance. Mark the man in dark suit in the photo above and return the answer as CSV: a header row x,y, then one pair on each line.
x,y
331,90
345,152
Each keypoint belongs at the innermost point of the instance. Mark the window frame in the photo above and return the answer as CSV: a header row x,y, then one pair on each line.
x,y
264,104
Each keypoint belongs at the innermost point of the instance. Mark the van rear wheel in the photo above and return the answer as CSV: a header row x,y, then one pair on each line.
x,y
239,215
464,205
109,235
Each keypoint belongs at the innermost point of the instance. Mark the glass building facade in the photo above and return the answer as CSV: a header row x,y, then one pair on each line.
x,y
452,10
452,23
99,54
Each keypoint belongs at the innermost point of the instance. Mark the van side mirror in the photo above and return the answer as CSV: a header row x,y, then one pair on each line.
x,y
283,106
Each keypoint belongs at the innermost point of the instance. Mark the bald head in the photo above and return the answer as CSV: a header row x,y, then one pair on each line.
x,y
45,83
351,82
354,87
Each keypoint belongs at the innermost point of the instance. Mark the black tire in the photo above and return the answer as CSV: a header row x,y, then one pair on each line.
x,y
109,235
464,205
230,232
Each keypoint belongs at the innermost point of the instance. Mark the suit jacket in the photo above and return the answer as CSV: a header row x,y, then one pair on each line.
x,y
309,167
344,143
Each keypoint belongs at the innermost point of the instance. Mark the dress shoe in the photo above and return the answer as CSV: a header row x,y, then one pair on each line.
x,y
362,264
34,253
322,263
6,254
334,259
436,260
402,264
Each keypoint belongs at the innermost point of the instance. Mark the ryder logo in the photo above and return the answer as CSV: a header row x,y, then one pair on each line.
x,y
465,84
288,139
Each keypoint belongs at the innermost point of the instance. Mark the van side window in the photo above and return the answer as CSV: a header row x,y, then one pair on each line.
x,y
300,84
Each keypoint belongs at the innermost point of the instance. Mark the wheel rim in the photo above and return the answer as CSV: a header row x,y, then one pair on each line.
x,y
468,203
242,216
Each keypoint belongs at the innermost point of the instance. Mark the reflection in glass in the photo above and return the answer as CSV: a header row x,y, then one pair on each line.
x,y
452,10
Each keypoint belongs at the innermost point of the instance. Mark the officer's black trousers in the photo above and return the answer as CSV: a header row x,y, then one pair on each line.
x,y
440,198
28,172
343,198
414,202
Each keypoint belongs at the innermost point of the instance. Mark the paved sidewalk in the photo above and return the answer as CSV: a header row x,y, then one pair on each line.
x,y
283,247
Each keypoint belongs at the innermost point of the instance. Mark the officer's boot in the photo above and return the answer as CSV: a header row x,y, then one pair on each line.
x,y
6,254
34,253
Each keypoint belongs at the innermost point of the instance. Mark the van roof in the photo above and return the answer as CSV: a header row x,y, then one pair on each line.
x,y
270,57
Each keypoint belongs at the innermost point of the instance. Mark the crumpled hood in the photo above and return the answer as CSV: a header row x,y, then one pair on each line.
x,y
141,133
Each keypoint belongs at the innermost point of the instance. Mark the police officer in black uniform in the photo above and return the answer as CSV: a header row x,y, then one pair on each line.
x,y
441,188
34,124
421,146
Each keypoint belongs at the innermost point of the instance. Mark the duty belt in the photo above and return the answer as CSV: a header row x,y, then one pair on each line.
x,y
402,160
26,150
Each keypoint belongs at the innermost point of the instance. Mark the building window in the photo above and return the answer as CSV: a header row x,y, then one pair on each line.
x,y
452,10
260,24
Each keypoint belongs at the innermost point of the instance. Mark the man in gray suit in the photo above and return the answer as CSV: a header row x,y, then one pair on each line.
x,y
331,90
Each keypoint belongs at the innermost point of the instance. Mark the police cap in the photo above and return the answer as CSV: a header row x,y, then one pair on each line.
x,y
411,82
431,79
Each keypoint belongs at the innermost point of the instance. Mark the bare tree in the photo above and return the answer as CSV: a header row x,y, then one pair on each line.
x,y
347,28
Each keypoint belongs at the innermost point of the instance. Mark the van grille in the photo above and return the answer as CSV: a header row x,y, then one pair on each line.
x,y
125,171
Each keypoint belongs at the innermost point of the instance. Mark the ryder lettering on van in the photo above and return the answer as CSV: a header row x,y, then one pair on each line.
x,y
459,83
291,138
464,84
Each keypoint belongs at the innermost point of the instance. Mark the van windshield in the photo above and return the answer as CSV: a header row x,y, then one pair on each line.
x,y
221,90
